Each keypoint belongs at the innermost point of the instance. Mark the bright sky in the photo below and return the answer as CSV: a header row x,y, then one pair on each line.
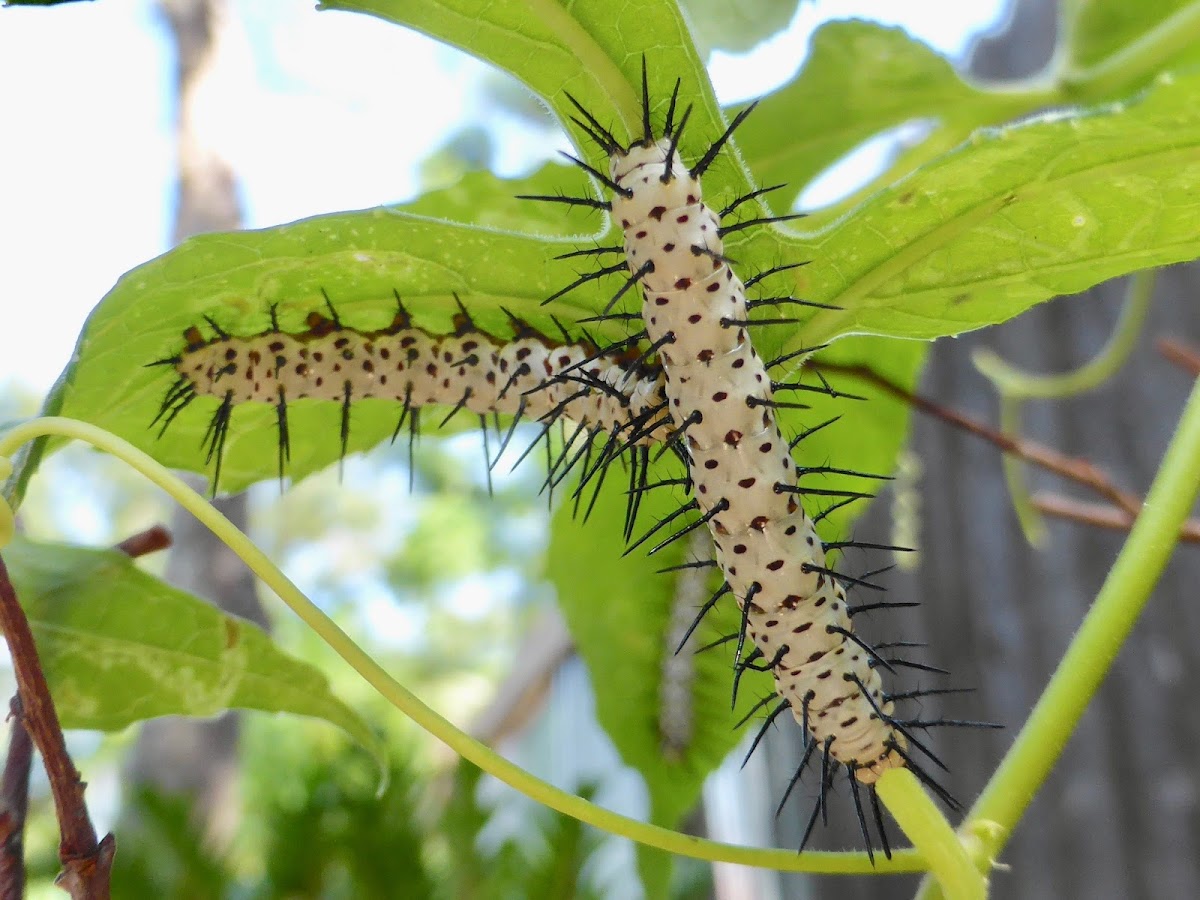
x,y
320,112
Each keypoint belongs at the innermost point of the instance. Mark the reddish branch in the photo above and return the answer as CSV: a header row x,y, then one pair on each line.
x,y
154,538
1187,358
1101,515
14,803
1124,506
87,863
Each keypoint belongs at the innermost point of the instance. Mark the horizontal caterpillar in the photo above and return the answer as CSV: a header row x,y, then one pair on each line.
x,y
746,487
615,392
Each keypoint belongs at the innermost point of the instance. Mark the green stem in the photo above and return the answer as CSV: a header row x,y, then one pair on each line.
x,y
1137,60
1012,382
1030,519
595,62
929,831
1015,386
1125,592
1123,70
651,835
8,524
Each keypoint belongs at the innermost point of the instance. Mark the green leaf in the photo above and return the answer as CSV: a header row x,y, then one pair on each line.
x,y
618,611
736,26
358,258
1016,216
590,48
482,199
869,433
1100,28
119,646
860,79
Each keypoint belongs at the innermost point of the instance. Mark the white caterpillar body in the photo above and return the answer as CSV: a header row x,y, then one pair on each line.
x,y
530,376
740,463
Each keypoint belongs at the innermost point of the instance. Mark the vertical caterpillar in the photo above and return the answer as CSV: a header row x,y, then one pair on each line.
x,y
746,487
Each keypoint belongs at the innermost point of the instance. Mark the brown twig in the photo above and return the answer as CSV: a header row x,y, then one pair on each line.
x,y
14,804
1176,351
1100,515
14,782
153,539
87,863
1124,507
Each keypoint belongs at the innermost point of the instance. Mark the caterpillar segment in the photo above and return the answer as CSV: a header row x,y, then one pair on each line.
x,y
609,391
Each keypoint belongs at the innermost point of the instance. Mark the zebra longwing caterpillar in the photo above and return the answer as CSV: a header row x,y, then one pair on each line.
x,y
746,487
611,391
